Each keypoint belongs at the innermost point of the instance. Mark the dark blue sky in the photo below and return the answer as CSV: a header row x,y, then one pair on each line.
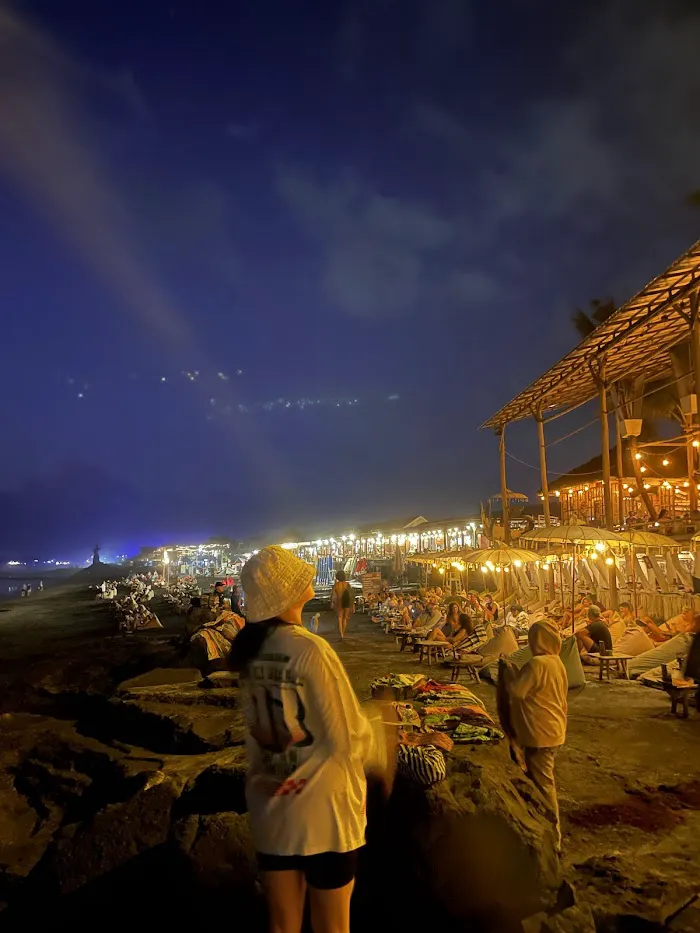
x,y
336,203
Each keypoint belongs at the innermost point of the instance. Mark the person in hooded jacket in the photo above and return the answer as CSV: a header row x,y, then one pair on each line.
x,y
538,705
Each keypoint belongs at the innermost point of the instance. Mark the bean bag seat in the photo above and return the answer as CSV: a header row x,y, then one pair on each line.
x,y
503,643
662,654
568,654
654,677
634,642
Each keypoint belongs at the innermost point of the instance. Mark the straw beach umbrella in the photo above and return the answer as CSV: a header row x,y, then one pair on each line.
x,y
501,559
575,536
645,540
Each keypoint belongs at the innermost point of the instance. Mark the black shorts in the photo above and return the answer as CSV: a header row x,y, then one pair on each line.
x,y
326,871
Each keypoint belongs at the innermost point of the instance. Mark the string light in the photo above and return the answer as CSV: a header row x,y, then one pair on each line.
x,y
557,493
665,462
637,456
609,561
642,469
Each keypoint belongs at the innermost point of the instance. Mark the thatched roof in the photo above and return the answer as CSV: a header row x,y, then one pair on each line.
x,y
635,339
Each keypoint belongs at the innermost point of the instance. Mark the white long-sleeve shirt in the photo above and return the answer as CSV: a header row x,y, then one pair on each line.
x,y
308,745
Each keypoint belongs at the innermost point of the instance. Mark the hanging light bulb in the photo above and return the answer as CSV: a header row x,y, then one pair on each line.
x,y
557,493
637,456
609,561
665,462
642,469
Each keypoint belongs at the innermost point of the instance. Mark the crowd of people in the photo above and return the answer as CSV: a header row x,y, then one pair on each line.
x,y
599,629
311,745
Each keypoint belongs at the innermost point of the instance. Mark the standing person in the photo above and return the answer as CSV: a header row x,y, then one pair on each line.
x,y
342,601
29,589
41,586
538,705
308,744
24,589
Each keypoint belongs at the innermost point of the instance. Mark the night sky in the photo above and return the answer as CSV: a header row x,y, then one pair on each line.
x,y
268,265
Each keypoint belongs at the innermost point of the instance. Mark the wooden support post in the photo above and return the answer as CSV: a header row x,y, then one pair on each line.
x,y
690,461
605,443
695,359
620,473
543,465
504,487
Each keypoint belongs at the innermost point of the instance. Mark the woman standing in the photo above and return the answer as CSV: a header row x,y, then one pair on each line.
x,y
309,745
342,601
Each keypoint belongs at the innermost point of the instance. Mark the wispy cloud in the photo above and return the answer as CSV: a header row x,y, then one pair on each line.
x,y
381,256
46,146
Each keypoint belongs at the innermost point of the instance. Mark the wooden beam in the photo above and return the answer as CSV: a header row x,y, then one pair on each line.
x,y
505,503
543,466
695,359
599,376
605,443
620,471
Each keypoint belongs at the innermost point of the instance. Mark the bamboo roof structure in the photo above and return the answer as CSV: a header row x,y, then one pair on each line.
x,y
635,338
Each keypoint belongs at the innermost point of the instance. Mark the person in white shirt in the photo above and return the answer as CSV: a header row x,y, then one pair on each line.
x,y
309,747
512,617
538,706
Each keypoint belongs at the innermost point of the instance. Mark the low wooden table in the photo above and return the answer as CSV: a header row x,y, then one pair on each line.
x,y
620,662
432,649
679,693
402,638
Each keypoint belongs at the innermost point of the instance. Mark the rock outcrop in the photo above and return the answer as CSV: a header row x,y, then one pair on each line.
x,y
140,800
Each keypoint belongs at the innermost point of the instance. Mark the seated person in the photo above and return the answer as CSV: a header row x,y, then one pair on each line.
x,y
512,615
427,620
613,620
450,626
490,609
595,631
471,635
583,606
680,624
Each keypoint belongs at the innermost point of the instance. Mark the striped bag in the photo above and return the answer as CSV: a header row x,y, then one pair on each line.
x,y
422,764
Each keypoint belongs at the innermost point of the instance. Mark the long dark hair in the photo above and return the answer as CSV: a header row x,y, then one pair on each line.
x,y
247,645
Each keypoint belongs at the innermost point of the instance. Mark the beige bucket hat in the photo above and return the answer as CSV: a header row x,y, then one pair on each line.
x,y
273,580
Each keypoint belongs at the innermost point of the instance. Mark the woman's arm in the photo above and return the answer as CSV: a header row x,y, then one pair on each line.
x,y
346,729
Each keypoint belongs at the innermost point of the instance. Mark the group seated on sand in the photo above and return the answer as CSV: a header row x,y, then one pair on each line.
x,y
472,625
622,630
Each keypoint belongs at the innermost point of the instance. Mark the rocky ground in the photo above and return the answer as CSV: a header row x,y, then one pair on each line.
x,y
121,798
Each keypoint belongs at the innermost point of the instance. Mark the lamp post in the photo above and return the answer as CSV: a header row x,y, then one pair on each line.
x,y
166,567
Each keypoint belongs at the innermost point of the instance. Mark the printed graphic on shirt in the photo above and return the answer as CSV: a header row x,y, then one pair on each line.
x,y
278,718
